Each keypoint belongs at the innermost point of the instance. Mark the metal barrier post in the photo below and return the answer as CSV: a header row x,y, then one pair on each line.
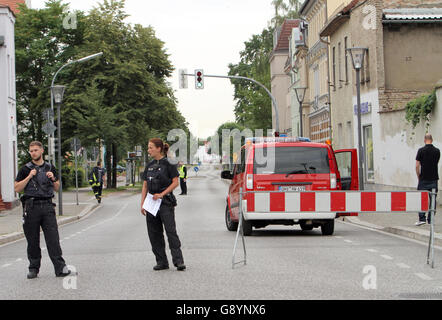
x,y
238,231
431,212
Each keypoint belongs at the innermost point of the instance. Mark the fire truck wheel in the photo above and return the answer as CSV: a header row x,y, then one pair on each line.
x,y
231,225
328,227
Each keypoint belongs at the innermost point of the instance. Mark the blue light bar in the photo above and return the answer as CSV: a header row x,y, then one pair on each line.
x,y
276,139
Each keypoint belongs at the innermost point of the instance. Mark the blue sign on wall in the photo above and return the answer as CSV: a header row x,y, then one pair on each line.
x,y
365,108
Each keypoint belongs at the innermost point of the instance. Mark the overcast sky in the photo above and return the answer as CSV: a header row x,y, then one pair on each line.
x,y
206,34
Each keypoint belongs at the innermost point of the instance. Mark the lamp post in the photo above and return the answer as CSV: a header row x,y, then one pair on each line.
x,y
300,95
57,93
357,58
58,71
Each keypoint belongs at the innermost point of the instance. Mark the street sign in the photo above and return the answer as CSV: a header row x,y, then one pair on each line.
x,y
76,144
49,128
183,78
48,114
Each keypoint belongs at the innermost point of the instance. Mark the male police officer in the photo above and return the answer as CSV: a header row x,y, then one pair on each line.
x,y
39,179
96,179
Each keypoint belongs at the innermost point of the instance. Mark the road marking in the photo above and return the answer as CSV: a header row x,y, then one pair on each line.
x,y
403,265
423,276
386,257
338,237
18,260
349,241
6,265
372,250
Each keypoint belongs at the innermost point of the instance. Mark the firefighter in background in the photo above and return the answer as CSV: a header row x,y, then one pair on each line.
x,y
96,180
183,179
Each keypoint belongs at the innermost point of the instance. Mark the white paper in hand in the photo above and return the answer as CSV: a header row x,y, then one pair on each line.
x,y
152,206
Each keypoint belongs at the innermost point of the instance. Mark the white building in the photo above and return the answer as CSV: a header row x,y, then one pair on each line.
x,y
8,114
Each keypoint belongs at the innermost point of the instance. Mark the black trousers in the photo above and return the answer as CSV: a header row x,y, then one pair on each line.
x,y
98,191
428,186
183,186
165,217
42,214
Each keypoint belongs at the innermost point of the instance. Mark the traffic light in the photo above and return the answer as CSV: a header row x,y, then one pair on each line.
x,y
56,145
199,79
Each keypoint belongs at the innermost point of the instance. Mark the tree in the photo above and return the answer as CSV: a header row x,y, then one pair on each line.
x,y
42,45
253,106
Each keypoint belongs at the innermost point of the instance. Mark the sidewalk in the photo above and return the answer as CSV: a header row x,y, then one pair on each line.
x,y
11,228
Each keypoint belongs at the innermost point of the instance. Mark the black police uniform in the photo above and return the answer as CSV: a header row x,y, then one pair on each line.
x,y
159,175
39,212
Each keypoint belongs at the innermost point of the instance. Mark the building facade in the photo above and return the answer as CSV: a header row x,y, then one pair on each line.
x,y
403,61
8,114
280,77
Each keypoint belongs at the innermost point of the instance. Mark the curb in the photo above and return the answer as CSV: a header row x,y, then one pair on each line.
x,y
20,235
420,235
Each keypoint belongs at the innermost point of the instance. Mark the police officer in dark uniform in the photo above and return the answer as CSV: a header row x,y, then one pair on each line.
x,y
39,179
161,178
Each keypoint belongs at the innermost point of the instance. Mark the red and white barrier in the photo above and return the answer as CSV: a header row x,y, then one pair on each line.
x,y
336,201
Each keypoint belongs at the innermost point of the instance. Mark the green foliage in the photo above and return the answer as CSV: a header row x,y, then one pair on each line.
x,y
119,100
420,109
253,106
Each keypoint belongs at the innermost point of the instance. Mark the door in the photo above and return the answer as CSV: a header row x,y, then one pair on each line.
x,y
347,161
237,183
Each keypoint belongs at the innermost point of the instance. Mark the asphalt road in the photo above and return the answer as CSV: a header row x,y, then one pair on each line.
x,y
112,255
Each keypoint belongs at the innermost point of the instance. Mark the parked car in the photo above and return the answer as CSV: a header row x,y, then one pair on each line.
x,y
288,165
120,169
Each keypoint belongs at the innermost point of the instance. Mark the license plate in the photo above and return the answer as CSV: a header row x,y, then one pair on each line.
x,y
291,188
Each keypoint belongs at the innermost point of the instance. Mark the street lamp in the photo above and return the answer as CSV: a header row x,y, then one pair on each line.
x,y
92,56
57,93
357,58
300,95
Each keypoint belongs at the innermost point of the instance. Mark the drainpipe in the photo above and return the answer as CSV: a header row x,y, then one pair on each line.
x,y
328,73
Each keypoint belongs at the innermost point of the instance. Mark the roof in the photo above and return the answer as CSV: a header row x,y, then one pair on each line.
x,y
12,4
286,31
303,6
412,14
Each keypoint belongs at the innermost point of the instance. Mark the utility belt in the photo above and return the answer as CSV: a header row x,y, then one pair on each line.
x,y
169,200
30,201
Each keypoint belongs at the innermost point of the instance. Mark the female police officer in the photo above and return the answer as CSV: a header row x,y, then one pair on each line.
x,y
161,178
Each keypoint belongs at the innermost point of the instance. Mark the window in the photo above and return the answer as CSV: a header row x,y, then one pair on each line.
x,y
368,151
340,135
349,134
334,69
294,160
346,59
340,65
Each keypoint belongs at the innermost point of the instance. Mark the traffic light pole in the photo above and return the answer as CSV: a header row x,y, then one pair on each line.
x,y
275,105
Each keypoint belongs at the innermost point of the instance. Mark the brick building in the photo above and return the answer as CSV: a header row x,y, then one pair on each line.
x,y
403,61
